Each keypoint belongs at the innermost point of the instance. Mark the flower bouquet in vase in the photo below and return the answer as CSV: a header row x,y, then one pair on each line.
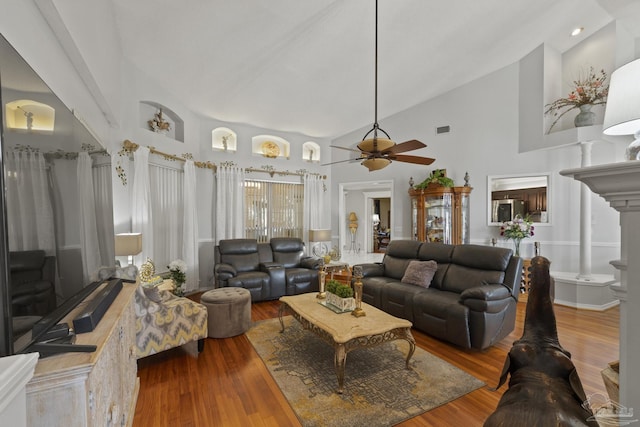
x,y
588,91
518,229
178,272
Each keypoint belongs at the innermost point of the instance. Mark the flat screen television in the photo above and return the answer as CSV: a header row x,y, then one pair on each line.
x,y
24,98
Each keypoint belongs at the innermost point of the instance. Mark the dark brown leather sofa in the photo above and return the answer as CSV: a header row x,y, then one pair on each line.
x,y
471,301
267,270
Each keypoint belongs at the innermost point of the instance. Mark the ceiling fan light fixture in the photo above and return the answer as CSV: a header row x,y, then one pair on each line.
x,y
378,153
376,163
375,144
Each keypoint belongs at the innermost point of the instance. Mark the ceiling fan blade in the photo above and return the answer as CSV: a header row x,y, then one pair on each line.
x,y
403,147
412,159
342,161
345,148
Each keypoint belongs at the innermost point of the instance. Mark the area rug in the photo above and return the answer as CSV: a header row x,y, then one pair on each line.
x,y
379,390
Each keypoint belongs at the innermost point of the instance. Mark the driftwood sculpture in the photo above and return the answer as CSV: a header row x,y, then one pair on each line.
x,y
544,387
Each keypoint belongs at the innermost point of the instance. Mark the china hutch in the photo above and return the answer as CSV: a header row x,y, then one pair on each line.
x,y
440,214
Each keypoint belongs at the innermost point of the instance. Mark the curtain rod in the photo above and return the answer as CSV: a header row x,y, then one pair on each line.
x,y
132,146
273,172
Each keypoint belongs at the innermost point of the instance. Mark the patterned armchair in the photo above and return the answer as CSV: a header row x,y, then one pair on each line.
x,y
164,321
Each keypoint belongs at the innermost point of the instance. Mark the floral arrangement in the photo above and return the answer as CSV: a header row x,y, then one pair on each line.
x,y
588,90
178,272
519,228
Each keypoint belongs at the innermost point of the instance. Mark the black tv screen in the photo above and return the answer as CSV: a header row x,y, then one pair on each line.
x,y
28,102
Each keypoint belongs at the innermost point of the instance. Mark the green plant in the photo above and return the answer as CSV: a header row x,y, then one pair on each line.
x,y
437,176
340,289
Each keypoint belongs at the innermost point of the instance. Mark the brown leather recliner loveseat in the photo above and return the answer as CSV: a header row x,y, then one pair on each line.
x,y
267,270
470,301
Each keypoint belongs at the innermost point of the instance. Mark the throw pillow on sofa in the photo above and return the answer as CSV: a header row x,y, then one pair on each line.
x,y
420,273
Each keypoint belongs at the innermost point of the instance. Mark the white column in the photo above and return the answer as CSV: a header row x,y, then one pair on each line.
x,y
15,373
619,184
585,217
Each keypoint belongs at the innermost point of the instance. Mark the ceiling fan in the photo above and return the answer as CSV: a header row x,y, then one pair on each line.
x,y
377,153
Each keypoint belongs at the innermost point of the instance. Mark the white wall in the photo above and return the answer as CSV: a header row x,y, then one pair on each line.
x,y
24,27
484,121
483,116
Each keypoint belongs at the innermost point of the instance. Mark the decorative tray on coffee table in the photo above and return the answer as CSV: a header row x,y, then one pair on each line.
x,y
333,307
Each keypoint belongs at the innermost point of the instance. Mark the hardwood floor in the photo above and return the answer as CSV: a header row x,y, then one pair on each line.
x,y
228,385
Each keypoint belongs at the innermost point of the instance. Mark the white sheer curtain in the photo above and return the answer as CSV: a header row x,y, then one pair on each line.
x,y
230,203
29,210
141,203
314,205
89,246
190,227
104,207
167,206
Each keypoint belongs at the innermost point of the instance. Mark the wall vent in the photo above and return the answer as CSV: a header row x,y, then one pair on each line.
x,y
443,129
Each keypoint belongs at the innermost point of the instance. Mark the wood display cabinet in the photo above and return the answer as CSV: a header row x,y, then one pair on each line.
x,y
440,214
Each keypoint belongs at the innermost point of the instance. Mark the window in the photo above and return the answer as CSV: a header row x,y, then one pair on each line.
x,y
273,209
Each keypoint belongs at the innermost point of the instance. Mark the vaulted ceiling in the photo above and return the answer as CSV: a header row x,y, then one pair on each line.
x,y
308,66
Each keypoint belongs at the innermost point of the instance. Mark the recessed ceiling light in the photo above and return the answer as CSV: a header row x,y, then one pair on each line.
x,y
577,31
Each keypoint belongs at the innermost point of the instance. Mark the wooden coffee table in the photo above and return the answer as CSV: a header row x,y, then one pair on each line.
x,y
344,331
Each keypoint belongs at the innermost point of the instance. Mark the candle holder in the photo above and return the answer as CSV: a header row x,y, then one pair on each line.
x,y
322,294
357,289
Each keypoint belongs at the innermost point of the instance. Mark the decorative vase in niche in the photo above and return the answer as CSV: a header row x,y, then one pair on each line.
x,y
585,117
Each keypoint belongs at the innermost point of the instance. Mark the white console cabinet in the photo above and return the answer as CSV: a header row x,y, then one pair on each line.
x,y
90,389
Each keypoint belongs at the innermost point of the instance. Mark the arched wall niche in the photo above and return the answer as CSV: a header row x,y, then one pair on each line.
x,y
224,139
270,146
159,118
310,152
30,116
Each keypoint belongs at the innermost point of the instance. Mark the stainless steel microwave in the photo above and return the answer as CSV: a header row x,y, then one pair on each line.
x,y
506,209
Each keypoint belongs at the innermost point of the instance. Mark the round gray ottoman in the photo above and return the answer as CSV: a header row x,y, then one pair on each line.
x,y
229,311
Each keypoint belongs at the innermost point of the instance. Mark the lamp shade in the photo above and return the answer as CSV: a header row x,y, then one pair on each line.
x,y
128,244
622,113
319,235
375,164
376,144
376,218
353,217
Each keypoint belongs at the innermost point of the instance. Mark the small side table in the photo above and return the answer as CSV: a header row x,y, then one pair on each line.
x,y
338,271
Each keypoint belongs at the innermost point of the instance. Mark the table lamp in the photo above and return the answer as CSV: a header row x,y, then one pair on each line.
x,y
622,113
319,237
353,228
376,221
129,244
353,222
